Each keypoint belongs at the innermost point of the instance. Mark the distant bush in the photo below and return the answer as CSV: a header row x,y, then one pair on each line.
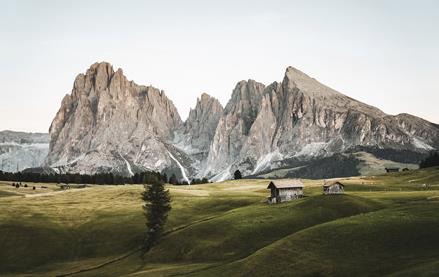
x,y
430,161
25,185
199,181
237,175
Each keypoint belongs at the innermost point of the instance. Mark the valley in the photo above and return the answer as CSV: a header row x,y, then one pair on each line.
x,y
383,225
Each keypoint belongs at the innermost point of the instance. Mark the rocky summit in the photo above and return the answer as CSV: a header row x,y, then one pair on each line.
x,y
299,120
111,124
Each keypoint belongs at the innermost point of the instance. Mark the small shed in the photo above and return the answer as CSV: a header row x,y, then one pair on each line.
x,y
285,190
392,169
333,187
64,186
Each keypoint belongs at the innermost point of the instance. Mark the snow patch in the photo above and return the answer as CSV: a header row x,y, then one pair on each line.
x,y
421,145
223,176
158,163
183,172
264,162
181,142
130,171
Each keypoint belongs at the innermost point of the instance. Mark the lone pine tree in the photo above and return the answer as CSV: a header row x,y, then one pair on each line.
x,y
156,208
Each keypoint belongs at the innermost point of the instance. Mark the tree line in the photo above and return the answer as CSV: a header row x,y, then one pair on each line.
x,y
145,177
69,178
430,161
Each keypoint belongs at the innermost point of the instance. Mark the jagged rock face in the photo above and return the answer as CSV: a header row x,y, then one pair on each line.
x,y
111,124
20,150
234,126
301,118
197,133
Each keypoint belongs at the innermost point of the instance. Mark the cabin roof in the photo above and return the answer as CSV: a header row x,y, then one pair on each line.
x,y
332,182
286,183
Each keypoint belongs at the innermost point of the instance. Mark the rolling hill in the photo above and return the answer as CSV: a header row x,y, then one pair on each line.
x,y
383,225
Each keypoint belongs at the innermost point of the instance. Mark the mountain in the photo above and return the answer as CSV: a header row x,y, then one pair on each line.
x,y
234,126
299,126
301,120
196,135
20,150
111,124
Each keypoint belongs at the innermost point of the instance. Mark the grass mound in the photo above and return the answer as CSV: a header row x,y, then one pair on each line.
x,y
372,244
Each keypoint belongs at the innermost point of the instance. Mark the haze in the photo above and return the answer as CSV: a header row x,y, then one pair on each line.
x,y
383,53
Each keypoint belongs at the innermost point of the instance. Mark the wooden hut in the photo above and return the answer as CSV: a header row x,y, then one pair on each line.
x,y
64,186
333,187
285,190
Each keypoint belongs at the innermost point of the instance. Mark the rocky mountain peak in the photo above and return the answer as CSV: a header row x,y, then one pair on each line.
x,y
200,126
108,123
296,79
108,117
246,95
302,119
205,97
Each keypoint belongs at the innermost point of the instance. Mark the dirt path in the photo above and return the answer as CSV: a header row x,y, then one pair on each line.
x,y
43,194
179,228
49,193
101,265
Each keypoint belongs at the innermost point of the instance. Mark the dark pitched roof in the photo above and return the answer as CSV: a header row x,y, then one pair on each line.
x,y
333,182
286,183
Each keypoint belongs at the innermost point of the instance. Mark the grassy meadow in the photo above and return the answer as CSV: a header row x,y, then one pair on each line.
x,y
383,225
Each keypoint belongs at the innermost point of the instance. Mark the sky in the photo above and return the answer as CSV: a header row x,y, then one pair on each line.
x,y
384,53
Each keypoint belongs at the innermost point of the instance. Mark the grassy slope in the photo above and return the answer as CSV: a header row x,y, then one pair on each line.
x,y
375,243
386,224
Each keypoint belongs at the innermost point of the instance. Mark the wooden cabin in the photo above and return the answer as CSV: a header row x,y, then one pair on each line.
x,y
392,169
285,190
333,187
64,186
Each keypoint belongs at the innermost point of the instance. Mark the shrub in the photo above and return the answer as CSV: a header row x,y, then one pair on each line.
x,y
237,175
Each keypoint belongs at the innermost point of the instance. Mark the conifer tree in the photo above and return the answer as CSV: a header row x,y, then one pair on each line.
x,y
156,208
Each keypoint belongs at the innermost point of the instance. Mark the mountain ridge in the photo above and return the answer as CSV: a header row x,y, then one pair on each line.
x,y
21,150
108,123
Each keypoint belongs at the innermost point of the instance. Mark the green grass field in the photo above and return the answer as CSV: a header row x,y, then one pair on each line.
x,y
383,225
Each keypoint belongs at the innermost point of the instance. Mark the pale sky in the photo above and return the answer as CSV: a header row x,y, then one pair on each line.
x,y
384,53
